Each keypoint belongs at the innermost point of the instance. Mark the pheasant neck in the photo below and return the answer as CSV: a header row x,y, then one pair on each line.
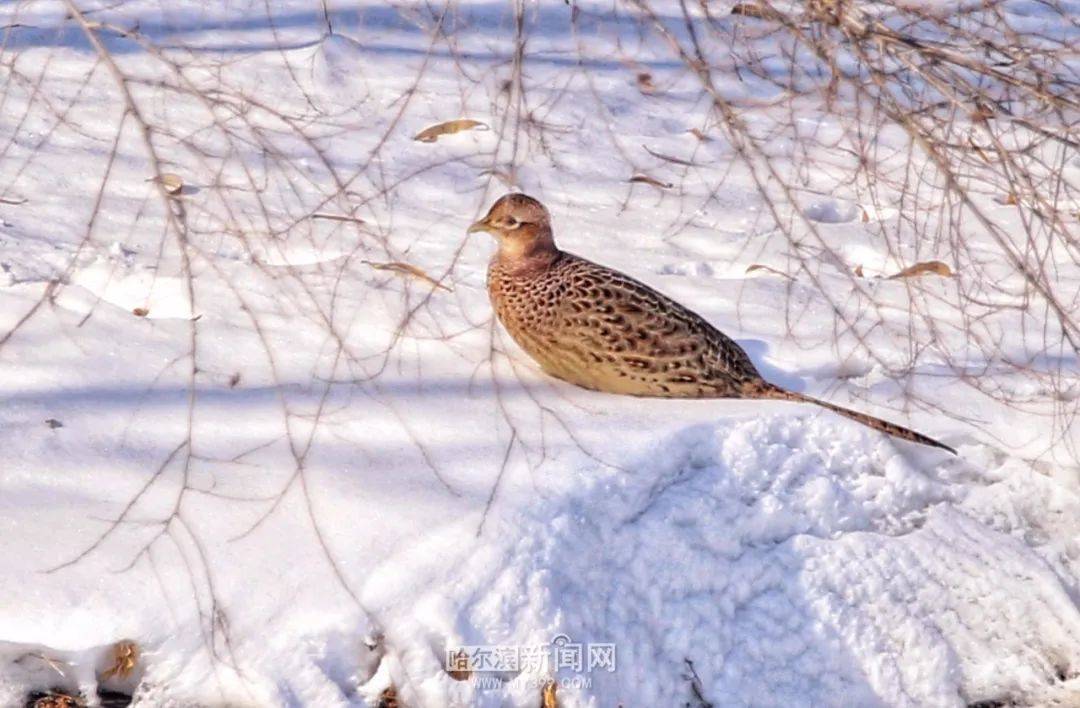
x,y
523,256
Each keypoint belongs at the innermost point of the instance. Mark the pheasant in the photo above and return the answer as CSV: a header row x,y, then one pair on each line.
x,y
600,329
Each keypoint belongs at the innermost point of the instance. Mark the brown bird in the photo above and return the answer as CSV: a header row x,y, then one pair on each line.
x,y
603,330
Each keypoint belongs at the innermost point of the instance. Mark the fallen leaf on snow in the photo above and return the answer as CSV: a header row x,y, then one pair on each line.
x,y
924,268
750,9
407,269
172,183
548,699
125,655
337,217
430,135
56,699
645,83
459,659
389,699
758,266
646,179
669,158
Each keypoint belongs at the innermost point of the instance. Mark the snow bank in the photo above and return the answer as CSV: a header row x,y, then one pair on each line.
x,y
788,562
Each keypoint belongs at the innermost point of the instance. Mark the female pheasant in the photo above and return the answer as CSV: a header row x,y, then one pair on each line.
x,y
603,330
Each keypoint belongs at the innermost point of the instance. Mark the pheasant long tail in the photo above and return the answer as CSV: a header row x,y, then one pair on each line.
x,y
771,391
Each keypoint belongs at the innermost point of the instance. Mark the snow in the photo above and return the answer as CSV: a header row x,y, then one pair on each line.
x,y
791,562
295,478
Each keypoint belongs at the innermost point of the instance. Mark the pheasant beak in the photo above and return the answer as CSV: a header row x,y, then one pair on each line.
x,y
481,225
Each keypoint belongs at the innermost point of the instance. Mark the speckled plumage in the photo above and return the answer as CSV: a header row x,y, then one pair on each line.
x,y
601,329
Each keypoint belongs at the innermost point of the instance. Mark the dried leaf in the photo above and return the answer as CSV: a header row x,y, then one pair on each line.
x,y
58,699
430,135
234,380
53,664
645,83
337,217
389,699
407,269
758,266
934,267
865,215
548,699
980,151
859,271
669,158
646,179
699,135
751,9
172,183
140,312
982,112
125,655
1008,200
53,423
460,662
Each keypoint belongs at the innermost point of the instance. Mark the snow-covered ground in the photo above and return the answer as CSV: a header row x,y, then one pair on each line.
x,y
295,476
